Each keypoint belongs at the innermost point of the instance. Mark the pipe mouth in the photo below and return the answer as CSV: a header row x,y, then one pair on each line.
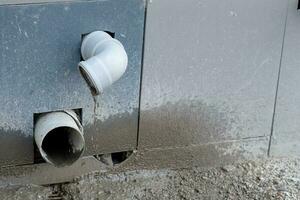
x,y
88,78
62,146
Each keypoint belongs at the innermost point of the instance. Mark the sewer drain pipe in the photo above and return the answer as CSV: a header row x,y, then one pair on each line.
x,y
59,137
105,60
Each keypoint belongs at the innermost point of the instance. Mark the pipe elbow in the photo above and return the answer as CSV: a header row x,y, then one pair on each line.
x,y
105,60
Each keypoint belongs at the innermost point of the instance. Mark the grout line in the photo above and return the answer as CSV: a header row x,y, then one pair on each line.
x,y
278,81
141,74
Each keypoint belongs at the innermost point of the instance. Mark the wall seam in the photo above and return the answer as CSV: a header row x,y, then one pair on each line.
x,y
141,74
278,80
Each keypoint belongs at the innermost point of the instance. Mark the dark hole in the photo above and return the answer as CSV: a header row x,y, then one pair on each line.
x,y
61,146
298,4
112,34
112,159
79,114
120,157
82,36
37,155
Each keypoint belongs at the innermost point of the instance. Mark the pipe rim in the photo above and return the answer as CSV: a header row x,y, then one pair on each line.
x,y
67,162
88,78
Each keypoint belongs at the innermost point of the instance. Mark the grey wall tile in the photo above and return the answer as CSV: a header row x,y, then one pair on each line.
x,y
210,70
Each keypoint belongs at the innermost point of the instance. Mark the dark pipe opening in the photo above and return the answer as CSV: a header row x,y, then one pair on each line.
x,y
88,80
63,146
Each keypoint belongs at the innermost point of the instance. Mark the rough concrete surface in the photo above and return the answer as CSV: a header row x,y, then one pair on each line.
x,y
268,179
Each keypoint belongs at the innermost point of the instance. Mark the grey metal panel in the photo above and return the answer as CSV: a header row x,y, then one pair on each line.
x,y
286,134
210,70
40,49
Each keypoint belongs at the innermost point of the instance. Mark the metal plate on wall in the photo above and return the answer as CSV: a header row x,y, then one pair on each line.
x,y
210,71
39,53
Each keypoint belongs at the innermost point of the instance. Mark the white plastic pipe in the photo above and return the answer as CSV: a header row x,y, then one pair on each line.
x,y
105,60
59,137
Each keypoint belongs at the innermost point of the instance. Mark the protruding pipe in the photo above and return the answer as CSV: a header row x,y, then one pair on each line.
x,y
59,137
105,60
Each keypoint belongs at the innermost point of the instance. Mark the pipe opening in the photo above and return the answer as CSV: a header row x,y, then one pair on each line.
x,y
88,80
63,146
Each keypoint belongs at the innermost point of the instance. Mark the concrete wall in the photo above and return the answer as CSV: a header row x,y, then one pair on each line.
x,y
209,76
219,80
